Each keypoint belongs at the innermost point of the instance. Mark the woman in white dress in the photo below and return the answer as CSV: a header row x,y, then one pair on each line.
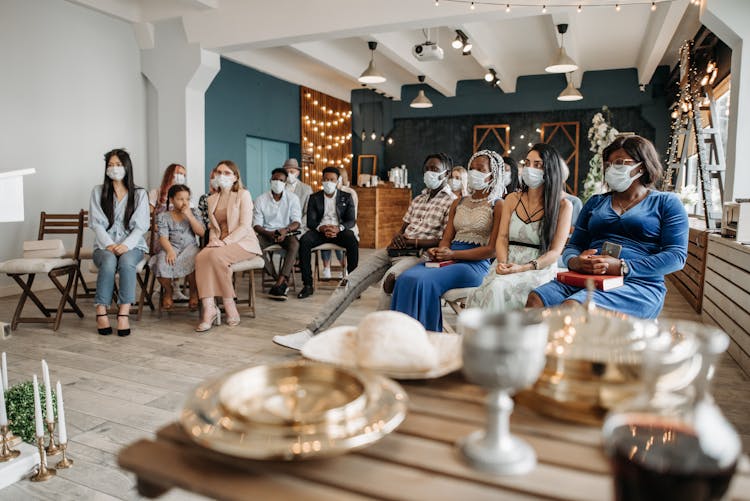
x,y
534,227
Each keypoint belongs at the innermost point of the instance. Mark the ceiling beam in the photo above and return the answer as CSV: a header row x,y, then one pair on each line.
x,y
489,53
397,47
126,10
351,59
662,25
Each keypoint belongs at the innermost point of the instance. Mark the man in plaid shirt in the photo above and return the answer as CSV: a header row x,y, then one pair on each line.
x,y
423,227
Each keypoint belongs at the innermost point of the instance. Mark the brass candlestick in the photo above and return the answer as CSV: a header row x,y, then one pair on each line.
x,y
65,462
6,453
52,448
43,473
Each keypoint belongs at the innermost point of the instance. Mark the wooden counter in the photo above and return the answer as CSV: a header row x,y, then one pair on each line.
x,y
380,214
726,294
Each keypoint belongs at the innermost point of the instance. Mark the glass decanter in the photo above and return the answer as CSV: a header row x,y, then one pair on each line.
x,y
674,443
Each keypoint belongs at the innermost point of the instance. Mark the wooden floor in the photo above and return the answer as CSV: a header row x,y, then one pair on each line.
x,y
118,390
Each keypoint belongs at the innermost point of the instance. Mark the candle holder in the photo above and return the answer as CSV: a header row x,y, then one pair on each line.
x,y
43,473
6,453
65,462
52,448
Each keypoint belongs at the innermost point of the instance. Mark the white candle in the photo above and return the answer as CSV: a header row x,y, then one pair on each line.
x,y
5,372
50,417
37,410
61,429
3,411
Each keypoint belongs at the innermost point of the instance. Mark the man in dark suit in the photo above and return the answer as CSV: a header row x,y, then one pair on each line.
x,y
330,219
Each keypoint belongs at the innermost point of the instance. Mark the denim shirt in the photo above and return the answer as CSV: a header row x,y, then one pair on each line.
x,y
132,236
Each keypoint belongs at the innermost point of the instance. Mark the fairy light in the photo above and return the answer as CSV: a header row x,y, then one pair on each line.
x,y
653,6
472,7
544,11
579,9
617,7
507,7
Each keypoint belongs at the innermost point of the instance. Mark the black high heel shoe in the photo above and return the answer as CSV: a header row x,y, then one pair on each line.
x,y
123,332
104,331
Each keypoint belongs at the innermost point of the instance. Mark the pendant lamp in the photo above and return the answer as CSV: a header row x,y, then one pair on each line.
x,y
562,62
371,75
421,101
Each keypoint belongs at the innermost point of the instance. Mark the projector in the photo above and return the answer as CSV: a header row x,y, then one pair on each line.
x,y
428,51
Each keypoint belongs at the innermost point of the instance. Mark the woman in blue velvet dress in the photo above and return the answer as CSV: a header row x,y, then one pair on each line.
x,y
469,238
651,226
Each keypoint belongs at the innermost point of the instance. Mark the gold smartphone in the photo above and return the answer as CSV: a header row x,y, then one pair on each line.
x,y
611,249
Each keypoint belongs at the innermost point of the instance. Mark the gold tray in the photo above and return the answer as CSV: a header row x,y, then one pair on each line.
x,y
293,411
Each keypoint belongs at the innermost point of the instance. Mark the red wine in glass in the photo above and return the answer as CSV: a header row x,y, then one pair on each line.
x,y
664,461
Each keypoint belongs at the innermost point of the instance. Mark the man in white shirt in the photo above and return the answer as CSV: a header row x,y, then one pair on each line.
x,y
294,185
276,218
331,215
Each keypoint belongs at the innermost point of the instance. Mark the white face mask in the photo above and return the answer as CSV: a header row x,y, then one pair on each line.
x,y
456,184
116,173
329,187
506,177
214,183
225,181
478,180
533,178
179,179
618,176
277,186
291,177
433,180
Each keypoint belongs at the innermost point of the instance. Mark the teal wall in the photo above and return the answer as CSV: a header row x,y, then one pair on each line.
x,y
245,102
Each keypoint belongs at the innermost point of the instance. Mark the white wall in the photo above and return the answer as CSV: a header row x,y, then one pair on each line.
x,y
71,89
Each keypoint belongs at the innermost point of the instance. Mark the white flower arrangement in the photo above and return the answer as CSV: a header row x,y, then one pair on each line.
x,y
689,195
601,134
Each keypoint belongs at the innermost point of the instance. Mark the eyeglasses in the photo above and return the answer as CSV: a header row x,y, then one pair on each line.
x,y
620,162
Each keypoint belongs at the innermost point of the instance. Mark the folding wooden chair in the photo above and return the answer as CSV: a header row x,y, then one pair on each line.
x,y
317,280
252,264
84,253
456,299
55,265
268,280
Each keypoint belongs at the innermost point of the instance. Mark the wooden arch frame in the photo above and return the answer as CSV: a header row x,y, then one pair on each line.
x,y
572,131
485,131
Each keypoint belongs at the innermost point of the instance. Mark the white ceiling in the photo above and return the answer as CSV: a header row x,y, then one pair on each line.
x,y
323,43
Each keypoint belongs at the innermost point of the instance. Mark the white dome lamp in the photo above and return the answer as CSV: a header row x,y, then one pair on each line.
x,y
371,75
562,63
570,93
421,101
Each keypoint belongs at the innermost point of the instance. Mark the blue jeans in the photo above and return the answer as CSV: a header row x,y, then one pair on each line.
x,y
109,265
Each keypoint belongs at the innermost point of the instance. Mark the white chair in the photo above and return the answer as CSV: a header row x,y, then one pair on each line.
x,y
252,264
316,271
456,299
269,280
48,257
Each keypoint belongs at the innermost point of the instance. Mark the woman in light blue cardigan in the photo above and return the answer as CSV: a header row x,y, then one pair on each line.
x,y
119,217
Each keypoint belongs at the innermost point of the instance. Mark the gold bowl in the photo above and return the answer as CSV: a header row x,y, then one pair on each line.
x,y
293,411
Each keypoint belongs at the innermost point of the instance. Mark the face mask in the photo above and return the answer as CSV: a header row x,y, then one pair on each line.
x,y
506,178
291,177
179,179
277,186
456,184
329,187
224,182
116,173
618,176
214,183
533,178
478,180
433,180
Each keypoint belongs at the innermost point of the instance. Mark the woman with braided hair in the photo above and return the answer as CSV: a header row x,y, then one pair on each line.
x,y
534,227
466,247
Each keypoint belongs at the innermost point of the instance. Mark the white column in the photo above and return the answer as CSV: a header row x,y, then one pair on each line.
x,y
730,21
180,73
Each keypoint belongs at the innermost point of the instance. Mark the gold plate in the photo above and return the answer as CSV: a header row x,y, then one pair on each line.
x,y
293,411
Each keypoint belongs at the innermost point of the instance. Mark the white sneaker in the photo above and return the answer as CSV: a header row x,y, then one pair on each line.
x,y
326,273
294,341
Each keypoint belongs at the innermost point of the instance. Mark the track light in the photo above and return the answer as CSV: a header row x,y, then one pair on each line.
x,y
461,41
562,62
457,43
490,75
371,75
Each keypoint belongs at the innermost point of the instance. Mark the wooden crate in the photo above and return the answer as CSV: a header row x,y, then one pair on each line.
x,y
726,298
380,215
689,280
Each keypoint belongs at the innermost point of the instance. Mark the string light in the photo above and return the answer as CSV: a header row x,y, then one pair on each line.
x,y
653,6
579,8
617,7
573,4
507,7
544,11
437,3
472,6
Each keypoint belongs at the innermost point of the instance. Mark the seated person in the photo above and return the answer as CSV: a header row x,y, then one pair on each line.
x,y
178,228
294,185
469,240
651,226
533,230
459,181
326,254
330,219
423,227
511,176
275,214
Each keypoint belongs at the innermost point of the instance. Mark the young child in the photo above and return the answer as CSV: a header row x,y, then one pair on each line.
x,y
178,227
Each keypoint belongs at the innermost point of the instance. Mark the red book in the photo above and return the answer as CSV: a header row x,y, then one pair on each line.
x,y
601,282
438,264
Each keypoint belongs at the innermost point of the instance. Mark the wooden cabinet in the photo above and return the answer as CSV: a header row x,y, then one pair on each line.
x,y
380,214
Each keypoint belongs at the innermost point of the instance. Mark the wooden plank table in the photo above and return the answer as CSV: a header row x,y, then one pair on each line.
x,y
418,461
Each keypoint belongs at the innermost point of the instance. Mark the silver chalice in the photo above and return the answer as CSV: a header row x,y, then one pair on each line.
x,y
502,353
